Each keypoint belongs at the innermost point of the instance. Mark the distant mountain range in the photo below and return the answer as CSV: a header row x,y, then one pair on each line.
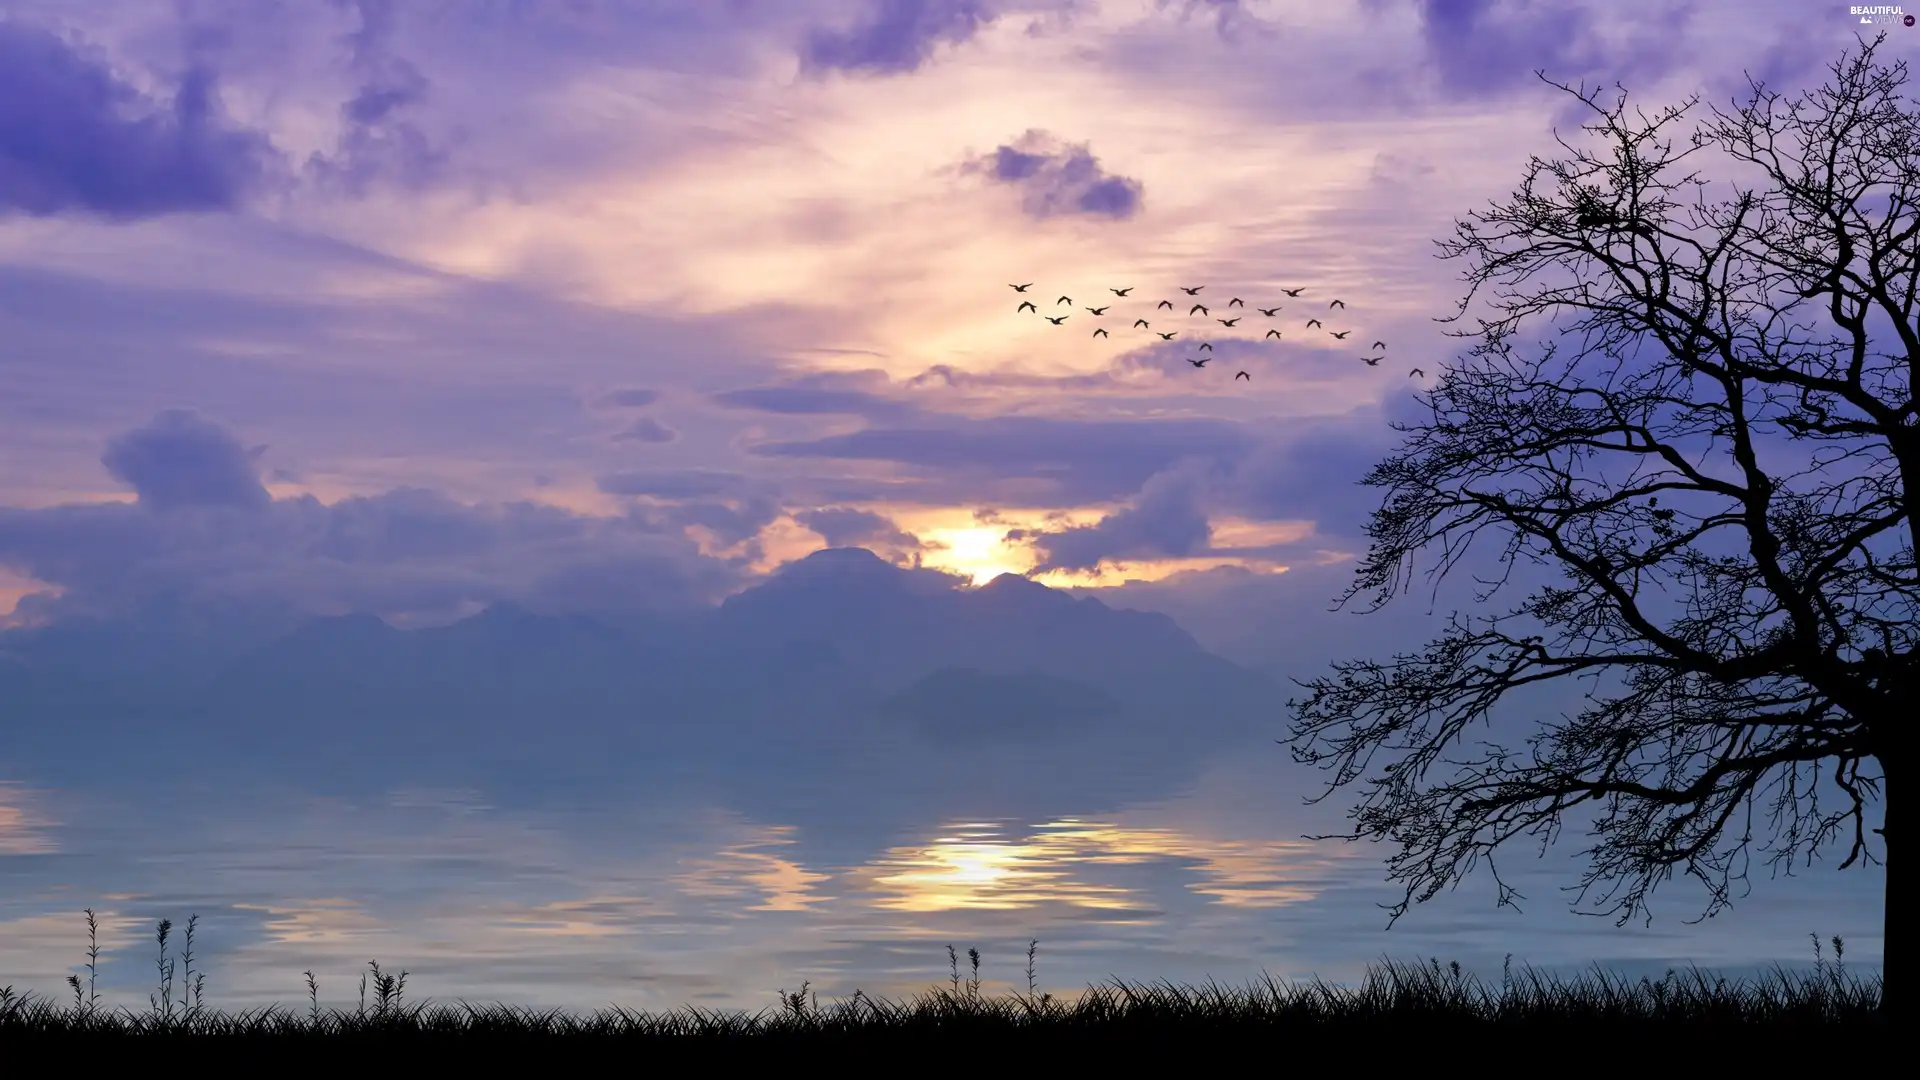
x,y
838,661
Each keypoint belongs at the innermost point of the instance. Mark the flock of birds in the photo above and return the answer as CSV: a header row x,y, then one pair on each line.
x,y
1201,309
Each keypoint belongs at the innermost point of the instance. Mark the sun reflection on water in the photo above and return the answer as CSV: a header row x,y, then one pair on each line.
x,y
973,867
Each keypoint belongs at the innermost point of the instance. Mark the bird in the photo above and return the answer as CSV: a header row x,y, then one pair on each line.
x,y
1236,300
1202,362
1340,335
1099,310
1140,322
1273,333
1166,337
1379,344
1373,361
1201,308
1313,323
1100,332
1193,291
1416,371
1226,322
1053,320
1025,305
1294,292
1244,375
1336,304
1020,288
1165,304
1121,292
1067,300
1269,312
1206,346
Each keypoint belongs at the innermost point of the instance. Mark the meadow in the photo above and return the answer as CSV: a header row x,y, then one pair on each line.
x,y
1398,1007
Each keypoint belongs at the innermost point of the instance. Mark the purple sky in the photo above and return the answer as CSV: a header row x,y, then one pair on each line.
x,y
414,307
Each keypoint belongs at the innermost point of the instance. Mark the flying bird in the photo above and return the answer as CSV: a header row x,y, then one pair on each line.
x,y
1206,346
1055,321
1166,337
1416,371
1099,310
1165,304
1100,333
1063,300
1340,335
1373,361
1193,291
1201,308
1236,300
1379,344
1312,323
1244,375
1336,304
1025,305
1294,292
1226,322
1140,322
1269,312
1273,333
1202,362
1020,288
1121,292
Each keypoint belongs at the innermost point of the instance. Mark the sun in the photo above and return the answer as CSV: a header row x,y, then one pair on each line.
x,y
980,553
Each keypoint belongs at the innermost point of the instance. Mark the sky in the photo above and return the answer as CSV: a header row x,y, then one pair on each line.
x,y
312,309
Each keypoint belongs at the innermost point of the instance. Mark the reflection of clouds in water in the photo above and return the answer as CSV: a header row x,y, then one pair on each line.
x,y
24,830
317,921
741,870
972,868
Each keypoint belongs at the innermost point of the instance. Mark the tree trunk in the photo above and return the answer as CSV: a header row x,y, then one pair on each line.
x,y
1887,902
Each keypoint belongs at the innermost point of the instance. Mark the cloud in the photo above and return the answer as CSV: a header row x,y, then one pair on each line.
x,y
378,139
76,138
648,430
1081,460
1167,519
899,37
1480,48
847,527
673,483
180,459
1058,178
800,399
408,552
632,398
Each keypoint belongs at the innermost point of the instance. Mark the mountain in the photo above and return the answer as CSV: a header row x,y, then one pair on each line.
x,y
897,681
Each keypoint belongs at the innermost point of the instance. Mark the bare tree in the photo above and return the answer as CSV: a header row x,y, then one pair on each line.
x,y
1691,402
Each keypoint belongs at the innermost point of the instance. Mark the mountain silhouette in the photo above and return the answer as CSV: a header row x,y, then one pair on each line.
x,y
897,683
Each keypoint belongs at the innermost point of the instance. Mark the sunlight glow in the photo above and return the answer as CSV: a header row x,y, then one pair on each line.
x,y
974,868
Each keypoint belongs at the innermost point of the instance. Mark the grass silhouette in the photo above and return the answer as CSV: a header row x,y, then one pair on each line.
x,y
1393,998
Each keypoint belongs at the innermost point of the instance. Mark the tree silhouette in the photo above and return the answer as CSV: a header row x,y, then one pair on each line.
x,y
1712,456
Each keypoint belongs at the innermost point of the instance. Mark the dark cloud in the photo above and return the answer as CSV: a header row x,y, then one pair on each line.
x,y
1167,519
847,527
379,137
633,398
1090,460
647,430
179,459
898,38
75,138
1480,48
1059,178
